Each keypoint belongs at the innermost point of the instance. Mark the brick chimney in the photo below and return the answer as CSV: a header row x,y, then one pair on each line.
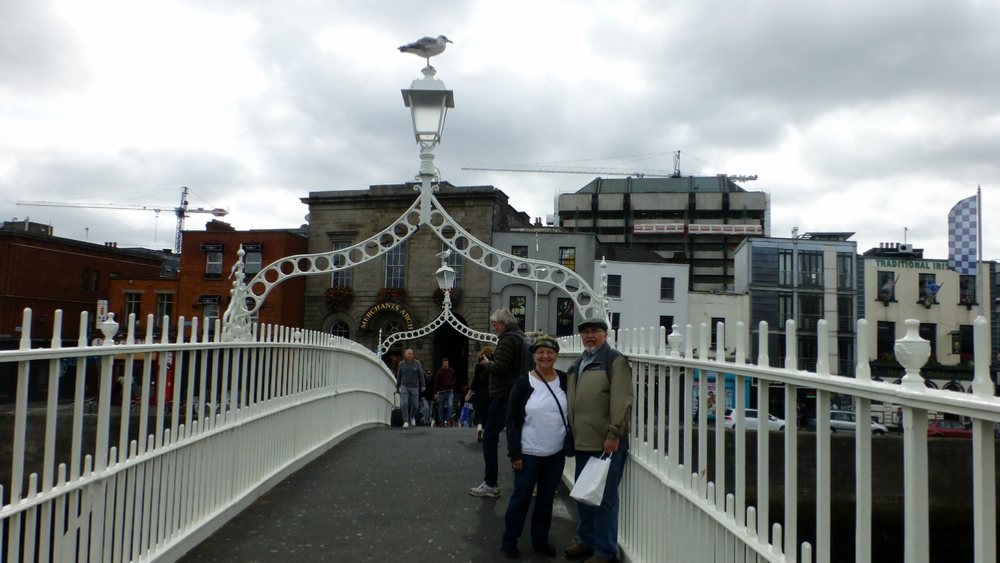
x,y
216,226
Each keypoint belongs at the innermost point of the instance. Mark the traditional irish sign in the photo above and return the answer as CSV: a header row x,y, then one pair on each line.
x,y
911,264
386,307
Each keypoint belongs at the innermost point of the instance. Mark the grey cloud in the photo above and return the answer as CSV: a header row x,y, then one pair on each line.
x,y
38,52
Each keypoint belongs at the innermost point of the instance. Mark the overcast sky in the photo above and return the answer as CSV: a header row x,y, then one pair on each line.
x,y
856,115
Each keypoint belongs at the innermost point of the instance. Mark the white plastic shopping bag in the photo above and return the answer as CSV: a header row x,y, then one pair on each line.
x,y
589,487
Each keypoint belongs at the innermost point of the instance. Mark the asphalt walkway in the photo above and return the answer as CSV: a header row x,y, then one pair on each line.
x,y
385,494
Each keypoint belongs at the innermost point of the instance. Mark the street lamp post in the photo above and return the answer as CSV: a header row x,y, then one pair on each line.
x,y
428,100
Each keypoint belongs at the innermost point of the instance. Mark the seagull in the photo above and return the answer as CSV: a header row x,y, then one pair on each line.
x,y
427,47
443,255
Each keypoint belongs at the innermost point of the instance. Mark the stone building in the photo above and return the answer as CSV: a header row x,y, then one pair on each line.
x,y
398,291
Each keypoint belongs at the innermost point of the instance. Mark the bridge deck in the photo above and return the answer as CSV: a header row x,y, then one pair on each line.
x,y
385,494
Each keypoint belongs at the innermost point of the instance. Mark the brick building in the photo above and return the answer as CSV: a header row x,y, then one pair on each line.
x,y
207,260
45,273
339,219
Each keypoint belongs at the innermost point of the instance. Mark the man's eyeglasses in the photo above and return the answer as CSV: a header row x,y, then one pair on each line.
x,y
590,331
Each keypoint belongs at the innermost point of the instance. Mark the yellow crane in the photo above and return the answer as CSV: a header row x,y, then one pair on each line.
x,y
181,211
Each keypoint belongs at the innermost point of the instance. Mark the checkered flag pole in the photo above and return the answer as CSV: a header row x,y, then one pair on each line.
x,y
963,228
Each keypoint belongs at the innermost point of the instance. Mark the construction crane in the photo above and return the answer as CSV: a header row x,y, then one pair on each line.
x,y
638,173
181,211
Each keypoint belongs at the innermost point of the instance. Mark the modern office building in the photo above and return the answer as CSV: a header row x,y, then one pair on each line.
x,y
808,279
696,220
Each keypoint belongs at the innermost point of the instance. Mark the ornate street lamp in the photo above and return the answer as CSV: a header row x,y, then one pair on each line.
x,y
445,278
428,100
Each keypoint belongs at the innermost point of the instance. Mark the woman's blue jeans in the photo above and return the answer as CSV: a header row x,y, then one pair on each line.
x,y
546,472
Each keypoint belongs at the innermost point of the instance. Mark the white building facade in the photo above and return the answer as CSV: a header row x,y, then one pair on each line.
x,y
900,284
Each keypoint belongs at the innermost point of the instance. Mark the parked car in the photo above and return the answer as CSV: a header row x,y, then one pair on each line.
x,y
949,429
774,423
846,421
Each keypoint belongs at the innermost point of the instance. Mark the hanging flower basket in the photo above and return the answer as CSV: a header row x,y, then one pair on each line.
x,y
968,301
339,298
391,294
885,297
927,301
438,297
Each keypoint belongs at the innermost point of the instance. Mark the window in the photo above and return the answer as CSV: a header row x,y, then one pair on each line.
x,y
616,321
811,266
785,311
715,327
164,307
395,266
808,353
845,269
810,311
845,313
666,289
213,264
341,278
567,257
252,263
132,302
887,286
927,288
967,289
455,260
520,252
94,277
961,342
564,316
845,356
614,285
785,268
886,340
517,305
341,329
84,285
668,322
211,313
928,331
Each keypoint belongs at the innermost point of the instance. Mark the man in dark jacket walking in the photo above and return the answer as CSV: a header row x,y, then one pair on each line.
x,y
502,371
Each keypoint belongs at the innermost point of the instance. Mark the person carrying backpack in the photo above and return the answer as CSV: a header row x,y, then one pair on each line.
x,y
511,360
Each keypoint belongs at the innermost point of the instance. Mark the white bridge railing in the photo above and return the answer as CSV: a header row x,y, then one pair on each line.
x,y
148,478
678,505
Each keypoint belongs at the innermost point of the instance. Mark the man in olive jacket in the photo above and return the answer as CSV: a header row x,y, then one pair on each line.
x,y
600,393
503,370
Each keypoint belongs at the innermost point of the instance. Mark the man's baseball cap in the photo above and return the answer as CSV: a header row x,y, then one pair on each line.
x,y
595,322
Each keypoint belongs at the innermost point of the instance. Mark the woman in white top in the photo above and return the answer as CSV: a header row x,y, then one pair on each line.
x,y
536,432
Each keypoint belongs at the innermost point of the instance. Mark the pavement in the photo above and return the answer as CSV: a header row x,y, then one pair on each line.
x,y
385,494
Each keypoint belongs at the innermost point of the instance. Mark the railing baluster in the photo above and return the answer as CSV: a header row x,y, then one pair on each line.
x,y
823,401
984,497
863,457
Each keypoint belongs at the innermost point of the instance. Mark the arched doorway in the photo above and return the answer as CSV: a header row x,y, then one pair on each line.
x,y
451,344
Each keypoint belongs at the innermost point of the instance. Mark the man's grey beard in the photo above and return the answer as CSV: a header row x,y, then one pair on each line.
x,y
589,349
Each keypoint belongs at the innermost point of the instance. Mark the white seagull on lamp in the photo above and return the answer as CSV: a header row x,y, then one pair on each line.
x,y
427,47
